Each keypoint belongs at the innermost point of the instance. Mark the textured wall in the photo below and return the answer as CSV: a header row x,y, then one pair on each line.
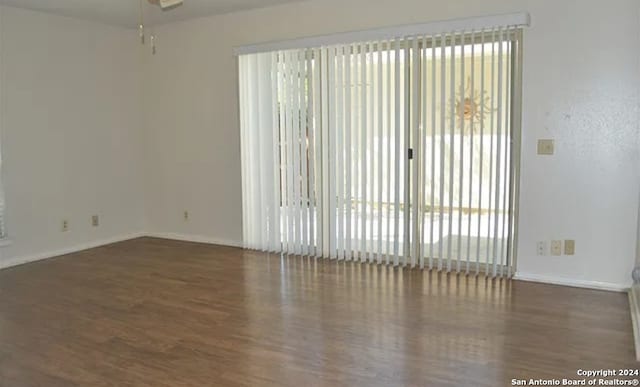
x,y
70,122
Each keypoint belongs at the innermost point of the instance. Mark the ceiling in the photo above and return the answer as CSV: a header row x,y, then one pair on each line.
x,y
126,12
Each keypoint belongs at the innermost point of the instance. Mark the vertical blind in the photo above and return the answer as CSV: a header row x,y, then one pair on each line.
x,y
401,151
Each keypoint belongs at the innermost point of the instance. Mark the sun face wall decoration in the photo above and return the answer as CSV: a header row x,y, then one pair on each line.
x,y
472,107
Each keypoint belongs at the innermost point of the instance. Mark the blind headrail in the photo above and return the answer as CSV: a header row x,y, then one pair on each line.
x,y
521,19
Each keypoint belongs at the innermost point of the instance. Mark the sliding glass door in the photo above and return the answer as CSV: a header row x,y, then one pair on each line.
x,y
465,141
401,151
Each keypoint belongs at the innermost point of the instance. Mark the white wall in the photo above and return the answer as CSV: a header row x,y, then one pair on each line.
x,y
580,87
70,127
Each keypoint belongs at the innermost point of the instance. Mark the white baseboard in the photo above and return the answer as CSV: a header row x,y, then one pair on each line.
x,y
571,282
97,243
634,305
194,238
68,250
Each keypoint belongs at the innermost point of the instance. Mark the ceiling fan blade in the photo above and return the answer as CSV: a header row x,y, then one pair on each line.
x,y
166,4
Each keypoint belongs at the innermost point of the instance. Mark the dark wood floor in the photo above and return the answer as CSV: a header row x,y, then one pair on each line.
x,y
151,312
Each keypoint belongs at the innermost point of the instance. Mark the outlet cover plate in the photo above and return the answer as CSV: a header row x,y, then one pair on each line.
x,y
556,248
569,247
541,248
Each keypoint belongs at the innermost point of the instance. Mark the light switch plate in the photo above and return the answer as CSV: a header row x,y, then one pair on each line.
x,y
569,247
556,248
546,147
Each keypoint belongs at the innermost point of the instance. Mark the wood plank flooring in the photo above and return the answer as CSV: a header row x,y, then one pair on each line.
x,y
152,312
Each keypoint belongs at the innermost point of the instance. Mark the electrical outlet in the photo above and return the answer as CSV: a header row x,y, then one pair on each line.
x,y
569,247
95,220
541,248
556,248
186,216
65,226
546,147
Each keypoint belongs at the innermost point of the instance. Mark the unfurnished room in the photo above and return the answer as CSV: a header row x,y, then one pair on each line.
x,y
319,193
